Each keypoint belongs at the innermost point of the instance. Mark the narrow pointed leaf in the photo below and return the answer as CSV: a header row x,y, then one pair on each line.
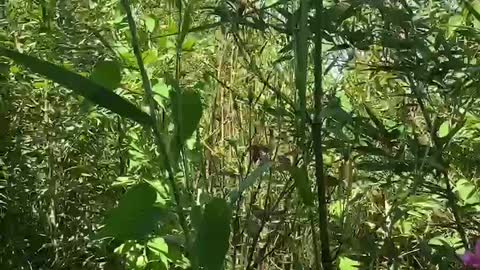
x,y
250,180
81,85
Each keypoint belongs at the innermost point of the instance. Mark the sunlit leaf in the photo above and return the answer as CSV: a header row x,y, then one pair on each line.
x,y
83,86
453,23
348,264
444,129
467,192
150,57
149,23
188,44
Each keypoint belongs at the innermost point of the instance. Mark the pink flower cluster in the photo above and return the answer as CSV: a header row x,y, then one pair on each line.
x,y
472,259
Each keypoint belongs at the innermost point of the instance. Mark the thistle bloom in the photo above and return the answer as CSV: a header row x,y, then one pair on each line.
x,y
472,259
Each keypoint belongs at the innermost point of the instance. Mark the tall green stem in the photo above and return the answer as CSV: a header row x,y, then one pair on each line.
x,y
317,137
301,74
158,139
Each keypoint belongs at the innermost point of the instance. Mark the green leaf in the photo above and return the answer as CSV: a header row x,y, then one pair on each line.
x,y
443,130
161,89
158,245
107,74
455,20
83,86
213,237
149,23
150,57
186,22
188,44
348,264
158,252
187,112
303,186
467,191
453,23
135,217
474,8
250,180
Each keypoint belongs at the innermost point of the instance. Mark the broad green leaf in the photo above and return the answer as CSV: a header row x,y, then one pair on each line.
x,y
443,130
149,23
453,23
135,217
107,74
81,85
348,264
150,57
161,89
303,186
188,44
213,237
345,102
467,192
158,245
250,180
159,252
187,112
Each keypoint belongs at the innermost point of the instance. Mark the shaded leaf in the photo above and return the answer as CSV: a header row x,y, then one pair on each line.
x,y
107,74
135,217
187,112
186,22
83,86
196,217
213,237
303,186
250,180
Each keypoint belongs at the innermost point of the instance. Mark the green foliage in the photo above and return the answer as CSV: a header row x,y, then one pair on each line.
x,y
135,217
94,92
213,235
398,115
107,74
302,185
187,112
254,176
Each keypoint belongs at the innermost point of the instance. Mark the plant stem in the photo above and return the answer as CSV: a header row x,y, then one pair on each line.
x,y
158,139
317,137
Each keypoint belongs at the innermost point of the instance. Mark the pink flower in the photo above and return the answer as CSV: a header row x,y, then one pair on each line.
x,y
472,259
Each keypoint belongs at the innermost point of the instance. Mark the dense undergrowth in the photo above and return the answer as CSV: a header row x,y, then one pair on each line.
x,y
239,134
